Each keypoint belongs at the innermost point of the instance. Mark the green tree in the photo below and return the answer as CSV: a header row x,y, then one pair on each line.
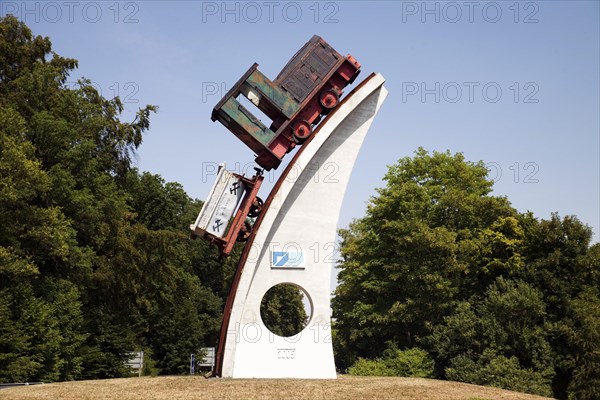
x,y
584,335
562,265
496,370
37,241
282,310
160,205
432,237
182,315
413,362
94,257
498,339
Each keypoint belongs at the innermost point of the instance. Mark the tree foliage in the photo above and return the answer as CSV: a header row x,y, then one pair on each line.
x,y
495,296
95,261
433,237
413,362
498,339
282,310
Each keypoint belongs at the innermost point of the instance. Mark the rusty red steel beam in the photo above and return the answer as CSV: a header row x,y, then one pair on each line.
x,y
242,212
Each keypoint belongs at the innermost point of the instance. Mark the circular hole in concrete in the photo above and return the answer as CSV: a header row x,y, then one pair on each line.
x,y
285,309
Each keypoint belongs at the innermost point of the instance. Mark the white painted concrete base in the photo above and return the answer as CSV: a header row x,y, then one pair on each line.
x,y
302,219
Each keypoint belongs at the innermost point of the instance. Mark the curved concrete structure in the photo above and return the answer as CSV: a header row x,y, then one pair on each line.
x,y
293,243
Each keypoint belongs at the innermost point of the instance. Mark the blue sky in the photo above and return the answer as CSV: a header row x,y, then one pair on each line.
x,y
515,84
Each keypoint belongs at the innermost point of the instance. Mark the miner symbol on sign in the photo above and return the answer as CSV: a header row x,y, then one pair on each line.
x,y
234,188
217,225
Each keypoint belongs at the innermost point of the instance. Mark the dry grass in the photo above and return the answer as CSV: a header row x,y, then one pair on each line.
x,y
188,388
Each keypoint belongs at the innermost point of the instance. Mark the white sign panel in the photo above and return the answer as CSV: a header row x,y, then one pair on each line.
x,y
222,202
136,362
209,359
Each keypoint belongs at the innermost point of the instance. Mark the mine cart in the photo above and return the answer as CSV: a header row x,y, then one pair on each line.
x,y
307,88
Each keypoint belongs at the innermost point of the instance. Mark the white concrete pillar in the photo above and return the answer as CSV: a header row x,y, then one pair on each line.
x,y
301,219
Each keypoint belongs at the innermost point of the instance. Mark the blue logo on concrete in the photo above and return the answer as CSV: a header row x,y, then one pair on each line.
x,y
287,259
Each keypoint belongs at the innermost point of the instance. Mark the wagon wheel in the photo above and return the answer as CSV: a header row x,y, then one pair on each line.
x,y
329,99
255,208
301,130
244,232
